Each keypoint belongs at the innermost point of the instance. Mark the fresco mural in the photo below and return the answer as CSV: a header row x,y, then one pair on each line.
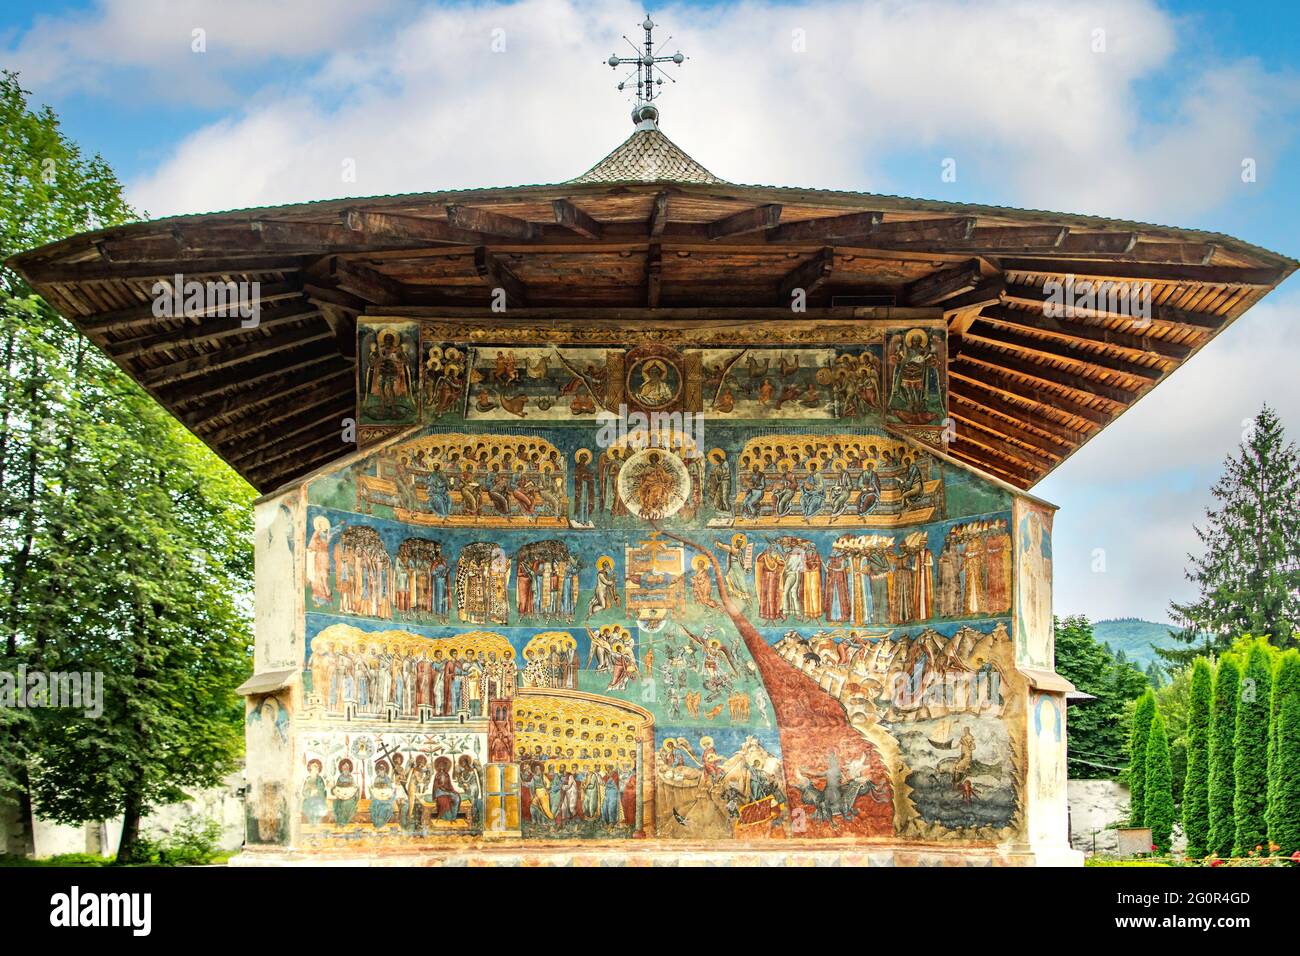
x,y
784,618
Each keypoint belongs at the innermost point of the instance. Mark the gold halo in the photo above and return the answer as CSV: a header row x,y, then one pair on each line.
x,y
917,336
582,454
386,336
737,540
699,561
605,561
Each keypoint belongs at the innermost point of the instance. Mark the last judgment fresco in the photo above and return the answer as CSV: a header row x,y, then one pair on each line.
x,y
598,592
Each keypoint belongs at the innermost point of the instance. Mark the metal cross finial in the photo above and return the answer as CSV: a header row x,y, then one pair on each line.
x,y
647,66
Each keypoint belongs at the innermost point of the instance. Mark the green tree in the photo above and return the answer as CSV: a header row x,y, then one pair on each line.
x,y
1196,782
125,544
1137,772
1223,726
1098,728
1158,810
1250,751
1283,812
1173,700
1249,576
1155,674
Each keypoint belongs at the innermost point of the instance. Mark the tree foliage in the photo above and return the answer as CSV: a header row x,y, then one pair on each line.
x,y
1137,771
1158,800
1196,781
1098,736
1223,726
1250,750
124,543
1284,757
1248,578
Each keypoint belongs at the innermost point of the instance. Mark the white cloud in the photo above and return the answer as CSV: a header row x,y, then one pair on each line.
x,y
1011,90
140,49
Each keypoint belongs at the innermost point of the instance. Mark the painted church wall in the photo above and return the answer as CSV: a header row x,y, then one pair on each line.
x,y
783,620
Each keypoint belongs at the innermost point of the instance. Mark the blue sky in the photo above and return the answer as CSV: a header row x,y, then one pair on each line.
x,y
1139,110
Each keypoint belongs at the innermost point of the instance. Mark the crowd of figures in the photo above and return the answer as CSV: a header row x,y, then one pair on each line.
x,y
394,794
896,679
875,579
391,681
557,795
807,478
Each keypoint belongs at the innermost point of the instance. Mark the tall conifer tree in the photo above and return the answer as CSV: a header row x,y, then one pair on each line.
x,y
1223,725
1158,810
1283,813
1196,783
1250,751
1137,773
1249,574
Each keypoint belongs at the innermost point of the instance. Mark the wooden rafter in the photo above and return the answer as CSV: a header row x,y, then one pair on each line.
x,y
571,217
944,284
1068,331
500,276
809,275
386,226
997,381
1053,350
747,220
490,223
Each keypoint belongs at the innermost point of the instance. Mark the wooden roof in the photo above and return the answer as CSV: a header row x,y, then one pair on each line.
x,y
662,235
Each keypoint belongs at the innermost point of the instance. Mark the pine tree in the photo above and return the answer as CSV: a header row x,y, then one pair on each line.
x,y
1250,751
1196,783
1223,725
1155,675
1249,576
1137,773
1159,792
1283,812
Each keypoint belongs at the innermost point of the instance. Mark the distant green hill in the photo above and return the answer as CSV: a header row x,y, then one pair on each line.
x,y
1135,637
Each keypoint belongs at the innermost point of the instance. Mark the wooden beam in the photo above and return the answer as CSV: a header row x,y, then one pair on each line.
x,y
992,440
269,478
659,215
989,398
367,283
1068,331
380,226
287,416
654,264
980,458
226,357
988,379
306,234
1247,278
137,315
809,275
501,276
907,233
297,389
979,414
208,332
491,223
1037,299
162,269
322,435
747,220
318,352
943,284
992,238
1048,375
988,292
571,217
291,426
1052,350
825,227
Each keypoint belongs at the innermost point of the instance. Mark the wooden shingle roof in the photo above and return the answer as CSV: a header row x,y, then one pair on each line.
x,y
648,232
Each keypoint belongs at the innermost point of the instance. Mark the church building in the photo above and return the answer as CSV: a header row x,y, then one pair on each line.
x,y
648,515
